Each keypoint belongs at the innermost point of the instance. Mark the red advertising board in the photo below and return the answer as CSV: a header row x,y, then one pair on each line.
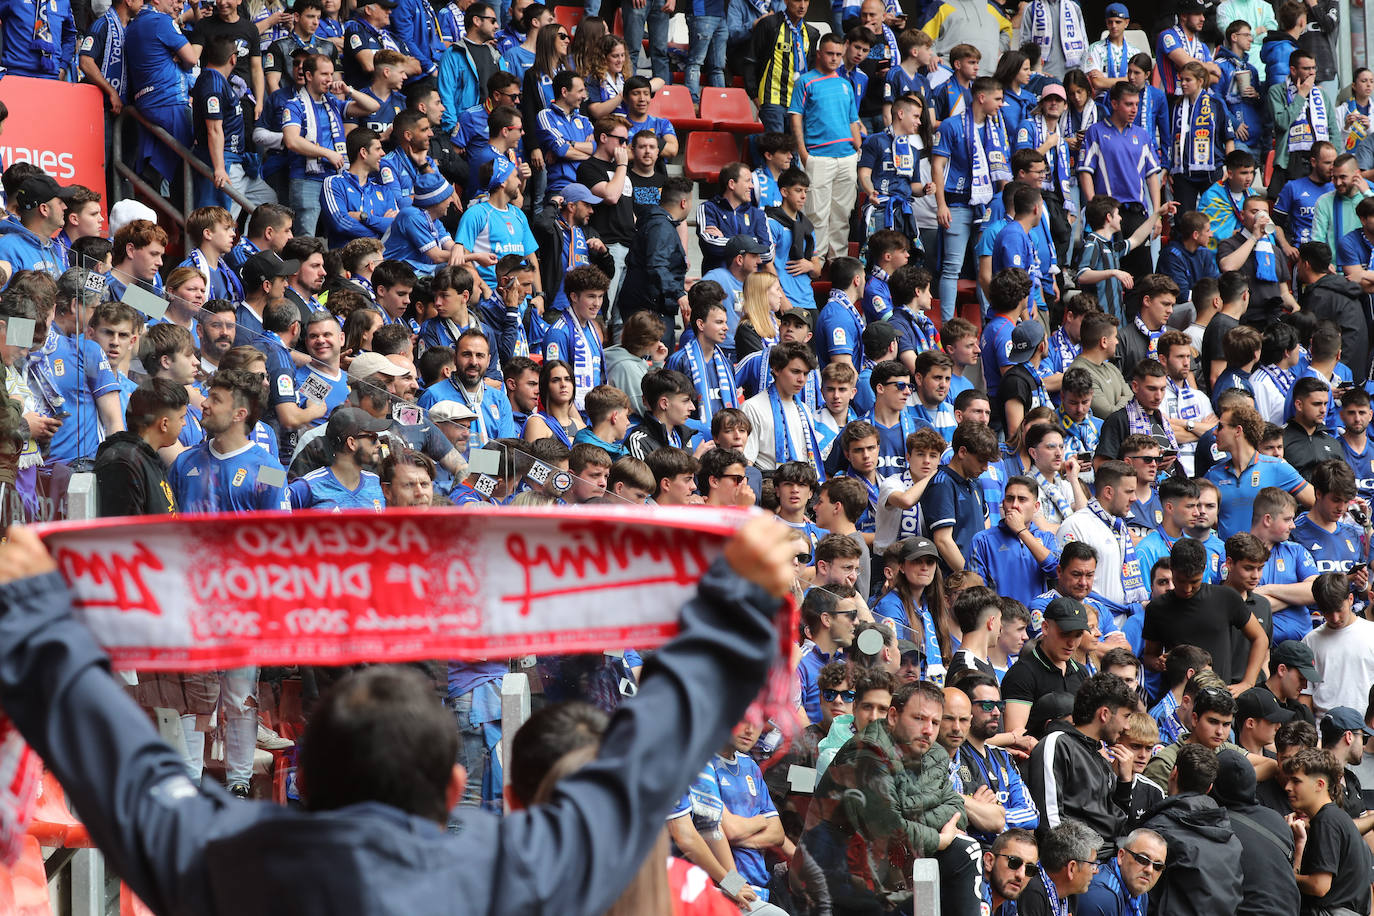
x,y
59,127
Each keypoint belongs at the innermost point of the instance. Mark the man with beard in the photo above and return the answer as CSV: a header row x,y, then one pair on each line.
x,y
1120,888
1070,777
886,800
347,483
1068,861
983,766
467,385
1007,866
217,329
985,814
305,284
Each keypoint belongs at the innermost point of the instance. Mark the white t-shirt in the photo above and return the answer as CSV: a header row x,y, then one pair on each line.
x,y
892,523
1345,658
1084,526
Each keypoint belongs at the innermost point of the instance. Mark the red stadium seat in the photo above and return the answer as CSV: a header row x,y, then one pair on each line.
x,y
568,16
53,824
821,290
675,104
29,884
1268,168
729,109
709,151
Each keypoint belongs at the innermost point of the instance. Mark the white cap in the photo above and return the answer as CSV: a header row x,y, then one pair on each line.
x,y
445,411
126,211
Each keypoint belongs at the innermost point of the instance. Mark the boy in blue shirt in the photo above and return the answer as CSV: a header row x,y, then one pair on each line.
x,y
794,241
27,244
888,251
416,236
637,95
824,113
840,324
953,505
778,152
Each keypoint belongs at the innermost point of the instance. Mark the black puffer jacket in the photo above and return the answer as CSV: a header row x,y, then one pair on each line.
x,y
1203,877
1334,298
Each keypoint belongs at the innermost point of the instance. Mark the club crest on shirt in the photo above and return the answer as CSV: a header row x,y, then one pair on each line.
x,y
1254,478
1159,516
59,367
239,476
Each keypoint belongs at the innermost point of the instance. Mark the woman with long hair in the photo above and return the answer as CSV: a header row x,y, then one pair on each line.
x,y
610,68
915,605
762,302
1353,117
550,59
557,415
586,42
1044,130
358,329
1014,73
923,209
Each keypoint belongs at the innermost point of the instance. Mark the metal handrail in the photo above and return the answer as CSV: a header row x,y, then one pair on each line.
x,y
190,164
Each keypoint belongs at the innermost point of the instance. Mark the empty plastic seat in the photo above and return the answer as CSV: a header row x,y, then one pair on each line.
x,y
708,151
729,109
53,824
675,104
28,882
568,16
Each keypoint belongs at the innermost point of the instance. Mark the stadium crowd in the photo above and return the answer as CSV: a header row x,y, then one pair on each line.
x,y
1053,353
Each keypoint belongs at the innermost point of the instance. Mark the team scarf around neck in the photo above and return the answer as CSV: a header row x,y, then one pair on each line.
x,y
980,160
1058,907
1311,125
1060,178
783,448
1282,379
315,165
1062,504
1082,430
696,363
112,61
584,365
1132,582
1070,25
1195,127
231,283
1142,424
1151,336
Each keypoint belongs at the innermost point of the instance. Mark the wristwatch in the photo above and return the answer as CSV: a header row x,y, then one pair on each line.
x,y
1189,425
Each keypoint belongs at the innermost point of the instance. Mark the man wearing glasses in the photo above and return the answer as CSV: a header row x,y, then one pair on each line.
x,y
1205,872
1122,886
1007,868
607,175
348,482
1068,862
982,765
831,630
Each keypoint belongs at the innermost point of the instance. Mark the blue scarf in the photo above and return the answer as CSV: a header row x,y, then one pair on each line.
x,y
555,427
1057,907
313,132
696,362
584,369
1195,134
1060,160
1266,267
782,441
981,170
112,63
231,283
1132,582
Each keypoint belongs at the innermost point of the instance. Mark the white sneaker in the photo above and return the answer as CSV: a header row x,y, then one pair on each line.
x,y
269,740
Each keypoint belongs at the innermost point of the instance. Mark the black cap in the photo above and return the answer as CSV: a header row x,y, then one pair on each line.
x,y
743,244
39,189
878,336
1190,6
1259,703
353,421
916,548
1024,339
1296,654
1347,719
1047,709
1070,614
264,266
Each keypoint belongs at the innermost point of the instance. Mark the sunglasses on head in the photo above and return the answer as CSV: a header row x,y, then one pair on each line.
x,y
831,696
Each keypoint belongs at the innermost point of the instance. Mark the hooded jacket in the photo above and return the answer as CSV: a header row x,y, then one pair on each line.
x,y
1203,875
1335,298
625,371
1070,779
131,477
1269,888
1274,52
655,266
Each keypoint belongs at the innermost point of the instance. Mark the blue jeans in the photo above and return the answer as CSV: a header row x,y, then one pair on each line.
x,y
657,19
954,245
774,118
707,45
475,746
305,202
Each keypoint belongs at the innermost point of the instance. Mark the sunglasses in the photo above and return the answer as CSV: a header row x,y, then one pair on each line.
x,y
902,386
736,479
990,705
831,696
1016,863
1145,860
1149,459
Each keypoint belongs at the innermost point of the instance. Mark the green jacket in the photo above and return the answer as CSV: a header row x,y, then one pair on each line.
x,y
1162,763
1284,113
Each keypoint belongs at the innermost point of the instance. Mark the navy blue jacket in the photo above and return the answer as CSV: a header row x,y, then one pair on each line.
x,y
189,850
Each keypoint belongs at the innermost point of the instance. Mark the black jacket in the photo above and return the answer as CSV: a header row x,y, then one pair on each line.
x,y
131,477
1334,298
651,435
1269,888
1203,876
655,267
1069,779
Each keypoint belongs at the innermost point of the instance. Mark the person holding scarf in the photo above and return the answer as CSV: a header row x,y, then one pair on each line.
x,y
557,415
783,428
1101,524
1056,27
969,164
1043,130
701,358
1201,135
1301,114
890,171
575,336
1108,59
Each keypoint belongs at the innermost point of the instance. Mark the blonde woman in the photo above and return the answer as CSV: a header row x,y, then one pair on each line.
x,y
185,288
760,305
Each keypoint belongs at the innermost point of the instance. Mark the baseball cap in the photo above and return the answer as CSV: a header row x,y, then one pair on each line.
x,y
353,421
1186,7
879,335
264,266
1117,11
575,193
1296,654
1052,90
1347,719
368,364
801,316
916,548
1024,339
1049,708
1069,613
743,244
384,4
39,189
906,646
501,169
445,411
431,188
1259,703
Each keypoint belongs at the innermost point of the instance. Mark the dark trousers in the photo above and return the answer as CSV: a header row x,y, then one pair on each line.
x,y
1059,230
1138,262
1188,188
1299,166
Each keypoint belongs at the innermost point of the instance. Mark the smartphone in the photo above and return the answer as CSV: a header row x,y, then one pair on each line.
x,y
1356,568
1085,457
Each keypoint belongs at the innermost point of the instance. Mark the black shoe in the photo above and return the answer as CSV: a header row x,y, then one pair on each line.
x,y
238,791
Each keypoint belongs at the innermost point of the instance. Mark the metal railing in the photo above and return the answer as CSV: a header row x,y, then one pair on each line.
x,y
124,182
